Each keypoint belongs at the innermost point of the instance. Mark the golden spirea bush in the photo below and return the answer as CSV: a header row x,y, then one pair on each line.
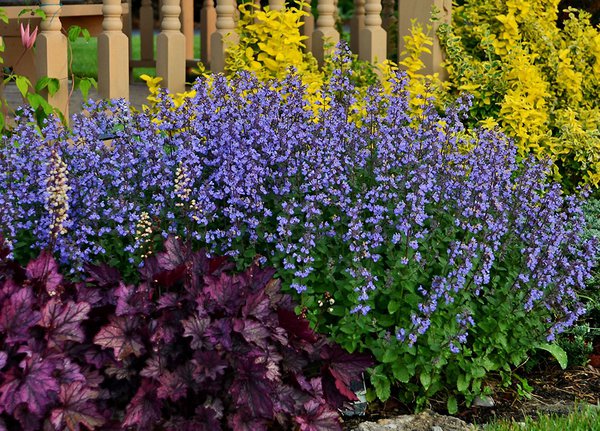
x,y
539,82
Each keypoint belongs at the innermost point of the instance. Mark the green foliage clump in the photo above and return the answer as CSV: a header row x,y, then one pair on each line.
x,y
540,83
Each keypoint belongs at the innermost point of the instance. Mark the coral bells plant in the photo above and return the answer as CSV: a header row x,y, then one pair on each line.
x,y
190,347
408,236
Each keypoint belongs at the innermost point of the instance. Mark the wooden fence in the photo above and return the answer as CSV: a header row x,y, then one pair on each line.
x,y
111,21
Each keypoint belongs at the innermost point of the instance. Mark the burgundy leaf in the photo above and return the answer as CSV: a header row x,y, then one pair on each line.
x,y
92,295
155,366
28,421
260,277
347,366
195,328
34,385
250,388
172,386
44,270
175,254
63,321
340,369
219,334
242,421
296,325
253,332
77,408
132,300
318,417
67,371
103,274
209,365
169,300
143,412
122,335
3,359
3,425
18,316
226,291
257,305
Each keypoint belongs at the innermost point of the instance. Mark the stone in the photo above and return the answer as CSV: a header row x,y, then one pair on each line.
x,y
424,421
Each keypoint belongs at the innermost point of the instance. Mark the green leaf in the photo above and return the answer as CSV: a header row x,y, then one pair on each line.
x,y
86,34
40,13
393,306
23,85
51,84
73,33
400,371
452,405
462,383
390,355
425,379
382,386
555,350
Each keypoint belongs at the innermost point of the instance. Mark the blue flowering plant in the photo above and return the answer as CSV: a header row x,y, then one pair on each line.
x,y
408,236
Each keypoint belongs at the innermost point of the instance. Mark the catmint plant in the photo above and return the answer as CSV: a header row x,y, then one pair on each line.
x,y
406,235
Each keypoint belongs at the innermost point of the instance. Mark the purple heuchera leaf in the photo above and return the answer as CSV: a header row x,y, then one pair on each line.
x,y
340,369
172,386
18,316
103,275
295,325
76,408
122,335
133,300
34,385
226,291
144,409
251,389
44,270
196,328
175,254
3,359
257,305
243,421
253,332
63,321
318,417
209,365
219,334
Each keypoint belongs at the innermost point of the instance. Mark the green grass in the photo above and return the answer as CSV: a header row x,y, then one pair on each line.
x,y
584,419
85,57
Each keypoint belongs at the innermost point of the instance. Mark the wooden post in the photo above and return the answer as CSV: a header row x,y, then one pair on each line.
x,y
389,22
421,11
276,4
51,55
170,48
373,40
208,25
113,54
357,24
308,26
146,30
325,37
224,36
187,20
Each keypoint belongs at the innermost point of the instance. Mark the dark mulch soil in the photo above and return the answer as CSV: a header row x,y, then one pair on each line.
x,y
554,391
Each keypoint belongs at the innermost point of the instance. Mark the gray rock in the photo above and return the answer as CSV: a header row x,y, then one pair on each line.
x,y
484,401
425,421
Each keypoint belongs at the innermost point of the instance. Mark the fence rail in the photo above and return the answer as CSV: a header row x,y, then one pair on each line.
x,y
110,20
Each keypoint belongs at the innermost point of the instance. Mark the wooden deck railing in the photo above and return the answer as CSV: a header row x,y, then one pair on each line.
x,y
110,19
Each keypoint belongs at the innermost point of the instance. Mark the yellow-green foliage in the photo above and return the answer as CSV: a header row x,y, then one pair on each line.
x,y
541,84
270,43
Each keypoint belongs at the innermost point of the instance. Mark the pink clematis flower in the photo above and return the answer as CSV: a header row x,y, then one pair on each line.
x,y
27,38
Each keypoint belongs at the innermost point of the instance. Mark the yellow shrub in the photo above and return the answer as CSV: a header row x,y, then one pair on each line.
x,y
540,83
